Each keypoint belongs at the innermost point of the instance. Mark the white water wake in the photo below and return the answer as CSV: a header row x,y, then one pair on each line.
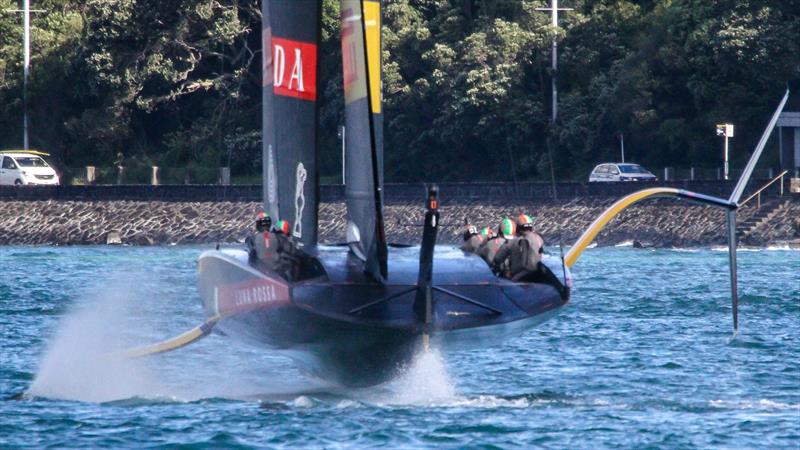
x,y
82,361
76,364
425,382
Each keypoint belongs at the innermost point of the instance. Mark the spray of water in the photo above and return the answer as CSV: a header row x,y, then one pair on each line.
x,y
425,382
83,360
77,364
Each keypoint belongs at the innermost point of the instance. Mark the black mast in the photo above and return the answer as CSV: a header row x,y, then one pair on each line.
x,y
290,35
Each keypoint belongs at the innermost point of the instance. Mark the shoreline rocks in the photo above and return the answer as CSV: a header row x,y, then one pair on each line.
x,y
658,223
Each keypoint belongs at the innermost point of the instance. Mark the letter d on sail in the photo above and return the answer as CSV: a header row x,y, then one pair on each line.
x,y
279,62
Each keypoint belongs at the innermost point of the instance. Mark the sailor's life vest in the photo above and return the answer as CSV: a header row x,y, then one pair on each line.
x,y
274,250
472,244
519,255
489,249
533,248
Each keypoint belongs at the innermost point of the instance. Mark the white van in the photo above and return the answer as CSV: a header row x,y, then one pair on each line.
x,y
24,168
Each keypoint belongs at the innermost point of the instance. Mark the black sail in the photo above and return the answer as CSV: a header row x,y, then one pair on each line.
x,y
290,38
363,140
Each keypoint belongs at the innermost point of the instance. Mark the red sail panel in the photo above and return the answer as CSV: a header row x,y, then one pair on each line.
x,y
294,69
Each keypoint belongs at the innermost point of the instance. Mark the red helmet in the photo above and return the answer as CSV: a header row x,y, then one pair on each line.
x,y
524,223
263,221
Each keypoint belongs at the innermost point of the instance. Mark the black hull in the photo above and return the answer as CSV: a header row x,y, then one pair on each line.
x,y
343,328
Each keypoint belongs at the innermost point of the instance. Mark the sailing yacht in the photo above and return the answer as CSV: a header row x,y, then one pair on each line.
x,y
357,312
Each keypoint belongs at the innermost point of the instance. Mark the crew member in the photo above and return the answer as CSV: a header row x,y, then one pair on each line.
x,y
507,230
262,245
493,245
487,234
521,257
472,239
272,249
525,230
289,255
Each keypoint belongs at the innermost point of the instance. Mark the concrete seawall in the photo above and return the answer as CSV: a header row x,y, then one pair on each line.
x,y
490,191
662,222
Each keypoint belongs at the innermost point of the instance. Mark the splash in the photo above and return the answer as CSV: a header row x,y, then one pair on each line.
x,y
83,360
770,248
785,247
425,382
77,364
761,404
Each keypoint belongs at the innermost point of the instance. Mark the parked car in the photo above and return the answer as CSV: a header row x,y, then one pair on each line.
x,y
621,172
21,167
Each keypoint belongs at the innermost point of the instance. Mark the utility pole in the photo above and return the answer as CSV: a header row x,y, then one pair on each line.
x,y
726,130
622,145
26,39
554,9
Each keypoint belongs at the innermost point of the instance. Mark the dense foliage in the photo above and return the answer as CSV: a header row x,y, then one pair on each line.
x,y
466,89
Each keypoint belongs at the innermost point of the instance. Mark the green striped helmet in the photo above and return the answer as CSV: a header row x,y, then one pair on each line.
x,y
507,227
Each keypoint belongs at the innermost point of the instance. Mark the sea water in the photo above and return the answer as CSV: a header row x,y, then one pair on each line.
x,y
643,356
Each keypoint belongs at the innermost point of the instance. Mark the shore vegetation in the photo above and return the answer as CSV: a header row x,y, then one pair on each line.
x,y
466,83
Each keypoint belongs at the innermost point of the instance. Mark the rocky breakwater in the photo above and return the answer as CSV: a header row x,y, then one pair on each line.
x,y
135,223
660,223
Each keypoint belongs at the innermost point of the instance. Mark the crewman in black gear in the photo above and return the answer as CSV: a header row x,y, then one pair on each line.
x,y
273,249
488,251
520,258
472,239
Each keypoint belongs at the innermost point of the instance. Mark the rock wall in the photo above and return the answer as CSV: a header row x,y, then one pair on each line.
x,y
660,222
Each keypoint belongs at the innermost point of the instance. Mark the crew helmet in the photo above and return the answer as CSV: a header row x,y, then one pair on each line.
x,y
507,228
263,221
282,227
469,231
487,232
524,223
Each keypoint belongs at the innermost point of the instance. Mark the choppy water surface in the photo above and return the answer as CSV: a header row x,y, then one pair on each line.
x,y
641,357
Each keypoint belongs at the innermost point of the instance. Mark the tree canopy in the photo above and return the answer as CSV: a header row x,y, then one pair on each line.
x,y
466,83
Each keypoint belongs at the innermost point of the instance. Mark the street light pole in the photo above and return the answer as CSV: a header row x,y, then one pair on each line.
x,y
26,42
726,130
726,157
26,67
554,9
